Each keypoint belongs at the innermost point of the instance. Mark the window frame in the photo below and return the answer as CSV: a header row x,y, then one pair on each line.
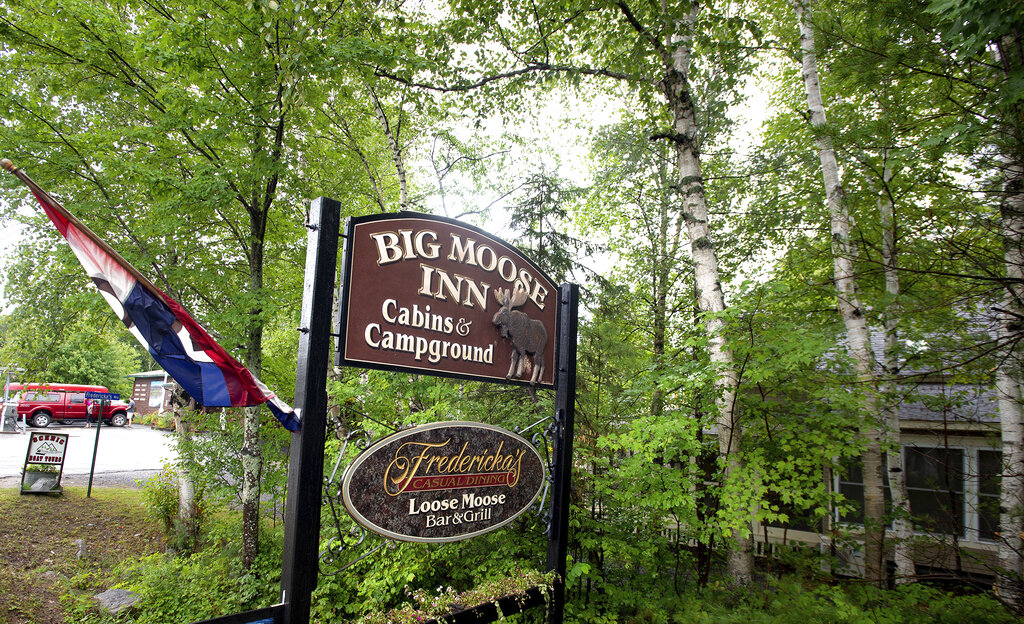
x,y
970,494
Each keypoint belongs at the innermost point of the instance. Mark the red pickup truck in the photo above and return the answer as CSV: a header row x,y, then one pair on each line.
x,y
41,404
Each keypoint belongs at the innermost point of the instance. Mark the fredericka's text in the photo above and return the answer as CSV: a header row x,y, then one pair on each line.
x,y
420,466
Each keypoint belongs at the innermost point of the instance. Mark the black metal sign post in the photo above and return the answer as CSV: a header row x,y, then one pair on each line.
x,y
102,397
565,416
95,446
299,563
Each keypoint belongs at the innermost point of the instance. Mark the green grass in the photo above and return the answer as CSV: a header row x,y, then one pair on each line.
x,y
39,560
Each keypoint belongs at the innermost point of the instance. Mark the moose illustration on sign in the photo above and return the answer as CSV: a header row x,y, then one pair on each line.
x,y
527,335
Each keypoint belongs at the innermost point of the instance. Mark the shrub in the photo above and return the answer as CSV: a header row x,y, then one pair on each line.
x,y
161,497
186,589
790,600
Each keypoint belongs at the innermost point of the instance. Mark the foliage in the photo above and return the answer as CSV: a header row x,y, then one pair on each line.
x,y
211,454
56,336
163,504
184,587
424,605
187,143
540,217
161,495
193,139
176,589
789,600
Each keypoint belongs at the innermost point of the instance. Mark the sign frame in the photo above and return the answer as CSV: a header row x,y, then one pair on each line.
x,y
358,510
354,264
299,561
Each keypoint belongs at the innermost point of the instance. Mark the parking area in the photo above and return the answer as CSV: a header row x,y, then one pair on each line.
x,y
123,455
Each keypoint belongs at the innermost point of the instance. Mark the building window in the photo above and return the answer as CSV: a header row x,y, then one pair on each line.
x,y
851,486
935,486
156,393
990,467
952,491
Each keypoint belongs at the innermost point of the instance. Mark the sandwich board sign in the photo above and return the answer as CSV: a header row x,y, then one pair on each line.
x,y
44,463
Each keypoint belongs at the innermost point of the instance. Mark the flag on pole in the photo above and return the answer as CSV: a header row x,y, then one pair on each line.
x,y
176,341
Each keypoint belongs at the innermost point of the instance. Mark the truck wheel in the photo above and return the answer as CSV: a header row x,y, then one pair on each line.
x,y
40,419
119,419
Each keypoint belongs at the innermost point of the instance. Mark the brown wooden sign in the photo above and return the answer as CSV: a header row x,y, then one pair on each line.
x,y
443,482
431,295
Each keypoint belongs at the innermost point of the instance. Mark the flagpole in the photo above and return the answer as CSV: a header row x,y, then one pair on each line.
x,y
35,188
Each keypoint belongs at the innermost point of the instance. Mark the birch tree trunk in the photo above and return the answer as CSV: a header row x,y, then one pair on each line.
x,y
1008,389
392,134
251,451
182,406
710,298
1009,376
902,524
252,466
844,252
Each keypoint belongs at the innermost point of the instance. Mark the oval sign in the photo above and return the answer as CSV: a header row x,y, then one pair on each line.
x,y
443,482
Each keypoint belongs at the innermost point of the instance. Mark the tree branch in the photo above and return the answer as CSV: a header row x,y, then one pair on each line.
x,y
515,73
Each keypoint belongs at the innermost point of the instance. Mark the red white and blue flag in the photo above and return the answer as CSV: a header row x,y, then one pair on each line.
x,y
176,341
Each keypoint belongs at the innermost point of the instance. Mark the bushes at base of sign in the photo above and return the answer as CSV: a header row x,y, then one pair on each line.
x,y
172,589
161,494
795,599
163,500
425,606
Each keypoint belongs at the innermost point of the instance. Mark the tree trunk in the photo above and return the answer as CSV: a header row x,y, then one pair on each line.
x,y
1008,389
902,524
182,407
251,451
858,340
710,298
396,147
252,464
1010,579
659,305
